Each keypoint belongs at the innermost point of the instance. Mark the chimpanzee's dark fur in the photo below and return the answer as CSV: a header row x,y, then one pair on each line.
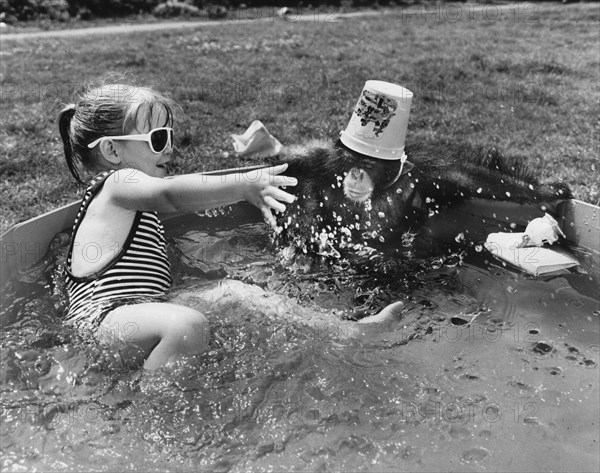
x,y
423,201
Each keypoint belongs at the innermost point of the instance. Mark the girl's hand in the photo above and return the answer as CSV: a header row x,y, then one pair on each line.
x,y
262,190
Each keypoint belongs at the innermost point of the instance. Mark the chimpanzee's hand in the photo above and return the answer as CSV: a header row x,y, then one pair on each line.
x,y
262,190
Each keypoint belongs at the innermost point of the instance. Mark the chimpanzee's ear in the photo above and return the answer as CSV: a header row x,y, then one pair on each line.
x,y
407,167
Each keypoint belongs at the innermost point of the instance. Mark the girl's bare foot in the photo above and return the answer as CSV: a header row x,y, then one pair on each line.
x,y
392,310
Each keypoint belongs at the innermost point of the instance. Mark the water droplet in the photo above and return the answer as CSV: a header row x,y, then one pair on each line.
x,y
542,348
381,215
507,194
478,248
480,190
398,191
460,237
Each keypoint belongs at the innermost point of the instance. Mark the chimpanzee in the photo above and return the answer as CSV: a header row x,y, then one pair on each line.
x,y
444,194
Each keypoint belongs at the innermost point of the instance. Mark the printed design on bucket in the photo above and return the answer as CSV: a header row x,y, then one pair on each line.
x,y
376,109
379,121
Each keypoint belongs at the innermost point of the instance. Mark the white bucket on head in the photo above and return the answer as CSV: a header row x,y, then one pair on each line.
x,y
379,121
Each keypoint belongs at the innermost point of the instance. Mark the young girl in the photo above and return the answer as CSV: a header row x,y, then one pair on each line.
x,y
117,271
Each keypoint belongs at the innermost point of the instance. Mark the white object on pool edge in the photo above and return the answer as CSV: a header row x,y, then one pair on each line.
x,y
532,259
541,230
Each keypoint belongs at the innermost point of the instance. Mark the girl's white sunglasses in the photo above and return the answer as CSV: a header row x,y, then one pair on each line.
x,y
158,139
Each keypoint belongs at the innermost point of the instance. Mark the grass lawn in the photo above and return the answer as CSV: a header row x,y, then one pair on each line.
x,y
525,79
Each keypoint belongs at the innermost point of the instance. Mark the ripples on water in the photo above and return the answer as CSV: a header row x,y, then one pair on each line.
x,y
480,363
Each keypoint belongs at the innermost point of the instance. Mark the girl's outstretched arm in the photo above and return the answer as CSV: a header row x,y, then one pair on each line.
x,y
195,192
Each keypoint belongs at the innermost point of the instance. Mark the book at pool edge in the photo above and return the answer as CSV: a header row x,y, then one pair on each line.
x,y
534,260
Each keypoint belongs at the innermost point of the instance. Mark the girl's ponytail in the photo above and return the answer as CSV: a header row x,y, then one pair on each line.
x,y
64,126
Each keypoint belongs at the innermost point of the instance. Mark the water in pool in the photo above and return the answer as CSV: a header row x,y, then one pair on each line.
x,y
484,369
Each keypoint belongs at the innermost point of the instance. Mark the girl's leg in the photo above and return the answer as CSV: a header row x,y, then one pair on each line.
x,y
163,331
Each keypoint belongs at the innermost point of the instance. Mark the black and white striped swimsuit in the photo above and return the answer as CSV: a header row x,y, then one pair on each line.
x,y
138,273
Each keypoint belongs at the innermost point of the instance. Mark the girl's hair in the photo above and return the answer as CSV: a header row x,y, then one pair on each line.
x,y
109,109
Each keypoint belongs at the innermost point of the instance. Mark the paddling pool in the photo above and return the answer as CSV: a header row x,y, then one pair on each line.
x,y
289,384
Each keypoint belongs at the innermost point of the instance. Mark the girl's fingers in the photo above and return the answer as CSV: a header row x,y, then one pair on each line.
x,y
272,196
283,181
276,180
274,204
268,216
280,194
277,169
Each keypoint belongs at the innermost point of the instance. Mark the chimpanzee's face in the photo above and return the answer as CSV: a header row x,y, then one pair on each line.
x,y
358,185
370,175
